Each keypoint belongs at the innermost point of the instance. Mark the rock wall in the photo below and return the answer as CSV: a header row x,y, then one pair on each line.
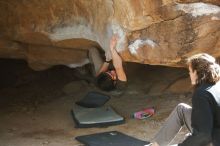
x,y
158,32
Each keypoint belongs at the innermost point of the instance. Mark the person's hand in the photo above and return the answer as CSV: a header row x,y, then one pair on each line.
x,y
113,41
155,144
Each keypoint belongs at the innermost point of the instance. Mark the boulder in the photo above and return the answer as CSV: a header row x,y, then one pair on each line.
x,y
157,32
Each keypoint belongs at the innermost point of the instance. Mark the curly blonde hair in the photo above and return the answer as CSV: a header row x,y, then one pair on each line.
x,y
208,71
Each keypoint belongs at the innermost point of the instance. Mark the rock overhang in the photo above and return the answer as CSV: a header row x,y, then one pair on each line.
x,y
161,32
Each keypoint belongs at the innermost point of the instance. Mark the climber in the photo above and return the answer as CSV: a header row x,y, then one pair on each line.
x,y
110,73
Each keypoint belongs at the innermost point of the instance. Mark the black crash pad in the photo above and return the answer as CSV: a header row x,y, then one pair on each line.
x,y
112,138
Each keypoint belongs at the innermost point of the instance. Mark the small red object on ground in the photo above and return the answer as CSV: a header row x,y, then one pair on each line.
x,y
145,113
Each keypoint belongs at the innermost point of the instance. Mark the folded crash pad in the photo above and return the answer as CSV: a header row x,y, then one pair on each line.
x,y
93,99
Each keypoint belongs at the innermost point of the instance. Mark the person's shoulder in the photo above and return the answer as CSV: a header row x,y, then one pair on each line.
x,y
202,93
120,88
215,86
121,84
202,90
203,87
215,91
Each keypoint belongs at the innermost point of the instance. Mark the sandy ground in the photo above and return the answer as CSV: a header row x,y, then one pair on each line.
x,y
35,106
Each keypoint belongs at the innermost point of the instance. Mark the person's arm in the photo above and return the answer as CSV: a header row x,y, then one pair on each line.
x,y
103,68
202,121
116,60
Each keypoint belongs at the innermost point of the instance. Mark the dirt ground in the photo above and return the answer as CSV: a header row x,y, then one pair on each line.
x,y
35,106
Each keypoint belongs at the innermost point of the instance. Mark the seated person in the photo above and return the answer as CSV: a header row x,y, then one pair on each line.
x,y
110,73
203,118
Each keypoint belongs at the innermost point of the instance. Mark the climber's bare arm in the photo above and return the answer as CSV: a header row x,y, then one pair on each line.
x,y
103,68
117,61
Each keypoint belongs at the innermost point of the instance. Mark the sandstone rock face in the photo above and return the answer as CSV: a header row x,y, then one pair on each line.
x,y
158,32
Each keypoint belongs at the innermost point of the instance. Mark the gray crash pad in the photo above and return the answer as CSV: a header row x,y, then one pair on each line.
x,y
95,117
